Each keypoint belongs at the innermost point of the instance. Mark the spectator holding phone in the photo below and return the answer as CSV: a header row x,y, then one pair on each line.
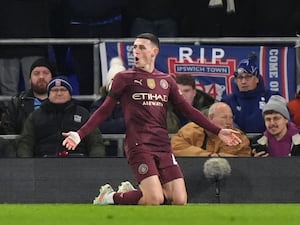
x,y
281,137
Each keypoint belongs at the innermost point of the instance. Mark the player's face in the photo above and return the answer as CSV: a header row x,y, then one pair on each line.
x,y
39,79
144,53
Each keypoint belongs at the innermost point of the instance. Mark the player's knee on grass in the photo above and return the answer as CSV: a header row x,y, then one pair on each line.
x,y
153,199
179,200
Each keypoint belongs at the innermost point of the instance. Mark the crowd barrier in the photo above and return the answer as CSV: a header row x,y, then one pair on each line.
x,y
117,137
120,139
77,180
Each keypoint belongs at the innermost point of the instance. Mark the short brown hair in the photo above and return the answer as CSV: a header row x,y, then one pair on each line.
x,y
153,38
186,79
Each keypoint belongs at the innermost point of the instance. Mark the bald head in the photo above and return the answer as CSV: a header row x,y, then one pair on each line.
x,y
220,114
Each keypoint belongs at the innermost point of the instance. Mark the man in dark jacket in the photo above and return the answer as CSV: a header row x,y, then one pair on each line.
x,y
21,105
42,132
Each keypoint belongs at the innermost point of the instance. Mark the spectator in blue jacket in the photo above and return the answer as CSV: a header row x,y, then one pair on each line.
x,y
248,97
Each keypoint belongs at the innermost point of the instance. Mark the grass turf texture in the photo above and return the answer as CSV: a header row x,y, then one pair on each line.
x,y
223,214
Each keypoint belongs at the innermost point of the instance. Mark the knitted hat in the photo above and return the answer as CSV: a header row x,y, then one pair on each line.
x,y
248,66
116,66
278,104
58,82
43,62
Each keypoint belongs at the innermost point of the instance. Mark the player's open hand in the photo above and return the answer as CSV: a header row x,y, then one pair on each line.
x,y
229,137
72,140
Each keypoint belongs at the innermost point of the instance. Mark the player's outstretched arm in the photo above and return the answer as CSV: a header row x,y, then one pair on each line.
x,y
229,137
72,140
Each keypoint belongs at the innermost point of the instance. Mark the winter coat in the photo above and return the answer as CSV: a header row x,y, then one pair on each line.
x,y
193,140
42,133
288,145
247,107
18,109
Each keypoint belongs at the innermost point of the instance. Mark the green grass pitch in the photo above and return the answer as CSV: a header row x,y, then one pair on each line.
x,y
206,214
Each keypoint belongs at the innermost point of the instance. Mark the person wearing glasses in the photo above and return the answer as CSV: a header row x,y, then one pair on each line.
x,y
41,135
248,96
193,140
281,138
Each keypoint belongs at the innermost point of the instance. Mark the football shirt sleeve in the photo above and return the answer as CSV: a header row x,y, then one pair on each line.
x,y
98,116
189,111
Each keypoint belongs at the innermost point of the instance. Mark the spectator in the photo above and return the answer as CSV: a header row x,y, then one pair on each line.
x,y
21,19
41,135
294,107
21,105
193,140
281,137
197,98
115,123
248,97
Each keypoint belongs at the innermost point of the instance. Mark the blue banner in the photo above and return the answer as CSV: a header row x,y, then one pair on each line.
x,y
213,65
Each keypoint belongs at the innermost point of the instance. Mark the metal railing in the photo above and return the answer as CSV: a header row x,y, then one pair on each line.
x,y
117,137
100,54
71,41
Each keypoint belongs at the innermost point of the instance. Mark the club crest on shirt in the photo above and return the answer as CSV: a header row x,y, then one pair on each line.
x,y
151,83
143,168
77,118
164,84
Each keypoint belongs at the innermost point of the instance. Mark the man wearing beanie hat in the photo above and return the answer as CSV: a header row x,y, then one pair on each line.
x,y
41,135
60,81
42,62
21,105
248,96
278,104
281,137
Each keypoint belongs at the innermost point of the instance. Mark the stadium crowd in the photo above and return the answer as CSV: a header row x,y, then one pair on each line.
x,y
120,19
